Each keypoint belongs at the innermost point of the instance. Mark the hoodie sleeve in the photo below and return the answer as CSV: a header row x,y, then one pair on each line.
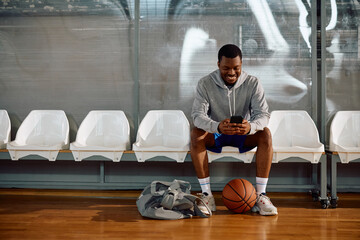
x,y
259,109
200,110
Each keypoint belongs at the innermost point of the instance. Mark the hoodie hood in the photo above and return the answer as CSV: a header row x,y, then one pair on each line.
x,y
216,76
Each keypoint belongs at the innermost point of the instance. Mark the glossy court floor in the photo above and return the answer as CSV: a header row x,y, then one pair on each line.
x,y
73,214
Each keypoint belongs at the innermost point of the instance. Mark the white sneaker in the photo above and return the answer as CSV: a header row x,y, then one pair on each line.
x,y
264,206
209,201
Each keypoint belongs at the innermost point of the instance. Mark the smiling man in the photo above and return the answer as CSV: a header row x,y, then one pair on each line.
x,y
224,93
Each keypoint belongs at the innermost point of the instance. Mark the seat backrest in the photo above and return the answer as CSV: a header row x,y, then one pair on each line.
x,y
168,128
44,127
293,128
345,129
104,128
5,128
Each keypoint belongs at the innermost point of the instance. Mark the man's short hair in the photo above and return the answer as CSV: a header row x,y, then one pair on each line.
x,y
229,51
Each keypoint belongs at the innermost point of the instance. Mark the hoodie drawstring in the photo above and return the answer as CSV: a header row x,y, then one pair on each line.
x,y
231,112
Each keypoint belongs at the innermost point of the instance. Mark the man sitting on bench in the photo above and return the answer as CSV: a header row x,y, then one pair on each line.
x,y
225,93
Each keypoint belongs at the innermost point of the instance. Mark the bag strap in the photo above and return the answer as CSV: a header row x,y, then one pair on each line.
x,y
197,210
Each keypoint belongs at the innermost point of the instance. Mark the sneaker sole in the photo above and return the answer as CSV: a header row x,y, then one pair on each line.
x,y
268,213
255,209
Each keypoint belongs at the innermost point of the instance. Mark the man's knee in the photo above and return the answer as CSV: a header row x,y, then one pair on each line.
x,y
265,137
200,138
197,135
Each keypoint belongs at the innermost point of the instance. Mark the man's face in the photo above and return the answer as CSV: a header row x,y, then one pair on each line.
x,y
230,69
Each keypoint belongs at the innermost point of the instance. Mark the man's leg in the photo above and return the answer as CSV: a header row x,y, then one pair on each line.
x,y
199,141
264,154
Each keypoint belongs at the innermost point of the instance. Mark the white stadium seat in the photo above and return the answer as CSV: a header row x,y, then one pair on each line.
x,y
43,133
345,135
5,128
163,133
294,134
103,133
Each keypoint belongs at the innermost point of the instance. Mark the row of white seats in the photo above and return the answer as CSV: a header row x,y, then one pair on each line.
x,y
103,133
167,133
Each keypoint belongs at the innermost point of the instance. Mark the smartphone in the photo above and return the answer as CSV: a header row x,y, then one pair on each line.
x,y
236,119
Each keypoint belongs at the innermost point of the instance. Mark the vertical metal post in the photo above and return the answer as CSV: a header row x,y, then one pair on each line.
x,y
314,63
322,89
323,178
136,65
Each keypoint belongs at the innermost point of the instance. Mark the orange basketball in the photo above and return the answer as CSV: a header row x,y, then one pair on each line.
x,y
239,195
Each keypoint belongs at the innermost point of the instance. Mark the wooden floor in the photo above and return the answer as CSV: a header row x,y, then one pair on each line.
x,y
69,214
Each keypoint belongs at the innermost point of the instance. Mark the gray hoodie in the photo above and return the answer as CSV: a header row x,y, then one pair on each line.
x,y
214,102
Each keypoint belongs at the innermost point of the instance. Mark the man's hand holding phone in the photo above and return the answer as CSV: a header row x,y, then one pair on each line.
x,y
236,125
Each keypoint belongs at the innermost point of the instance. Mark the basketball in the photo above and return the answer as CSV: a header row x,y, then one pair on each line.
x,y
239,195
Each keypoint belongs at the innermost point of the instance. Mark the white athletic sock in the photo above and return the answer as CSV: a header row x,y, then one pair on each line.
x,y
205,185
261,185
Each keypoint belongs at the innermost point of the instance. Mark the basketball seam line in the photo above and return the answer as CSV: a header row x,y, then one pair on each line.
x,y
239,201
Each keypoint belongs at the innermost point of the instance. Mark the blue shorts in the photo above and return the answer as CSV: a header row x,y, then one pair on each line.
x,y
222,140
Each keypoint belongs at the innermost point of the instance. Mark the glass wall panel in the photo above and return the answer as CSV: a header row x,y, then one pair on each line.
x,y
69,55
179,41
342,57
